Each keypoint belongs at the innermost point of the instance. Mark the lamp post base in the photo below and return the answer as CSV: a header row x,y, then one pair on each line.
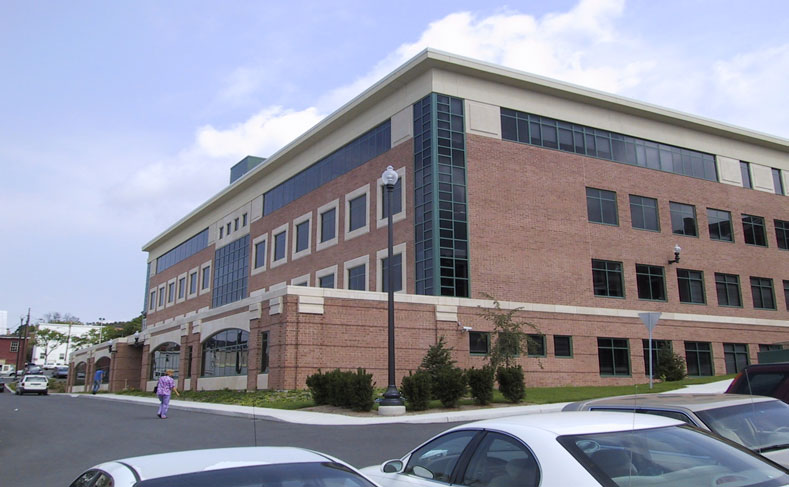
x,y
391,410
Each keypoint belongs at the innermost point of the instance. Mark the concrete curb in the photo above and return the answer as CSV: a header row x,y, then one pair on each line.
x,y
308,417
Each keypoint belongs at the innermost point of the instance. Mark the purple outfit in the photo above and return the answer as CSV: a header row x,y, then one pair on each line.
x,y
163,389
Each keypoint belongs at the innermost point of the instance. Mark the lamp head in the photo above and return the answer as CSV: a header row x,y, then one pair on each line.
x,y
390,176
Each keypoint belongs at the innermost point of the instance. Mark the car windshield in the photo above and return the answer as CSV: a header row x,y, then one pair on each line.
x,y
675,455
761,426
325,474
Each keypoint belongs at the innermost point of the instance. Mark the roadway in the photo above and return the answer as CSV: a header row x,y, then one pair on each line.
x,y
47,441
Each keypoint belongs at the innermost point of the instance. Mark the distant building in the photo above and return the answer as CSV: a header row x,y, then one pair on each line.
x,y
563,203
9,352
58,354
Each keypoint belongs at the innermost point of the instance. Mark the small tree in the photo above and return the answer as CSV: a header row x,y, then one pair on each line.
x,y
670,366
480,381
510,339
416,389
437,358
48,340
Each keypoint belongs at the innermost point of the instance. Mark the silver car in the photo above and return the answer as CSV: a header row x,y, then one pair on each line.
x,y
757,422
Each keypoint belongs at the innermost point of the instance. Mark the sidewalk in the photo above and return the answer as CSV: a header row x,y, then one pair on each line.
x,y
309,417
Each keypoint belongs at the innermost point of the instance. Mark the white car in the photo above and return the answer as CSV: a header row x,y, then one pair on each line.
x,y
758,422
579,449
227,467
32,383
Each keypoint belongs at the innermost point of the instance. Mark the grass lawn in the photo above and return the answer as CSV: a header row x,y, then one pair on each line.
x,y
299,399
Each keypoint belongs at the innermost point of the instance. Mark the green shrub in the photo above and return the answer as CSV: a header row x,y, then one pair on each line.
x,y
437,358
317,385
416,389
670,366
449,386
361,390
511,383
480,381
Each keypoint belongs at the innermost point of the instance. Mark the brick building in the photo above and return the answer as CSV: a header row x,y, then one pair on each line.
x,y
562,202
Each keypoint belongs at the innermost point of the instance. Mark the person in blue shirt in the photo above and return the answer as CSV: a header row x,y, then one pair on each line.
x,y
97,380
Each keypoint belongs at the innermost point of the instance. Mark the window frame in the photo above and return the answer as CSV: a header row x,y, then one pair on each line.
x,y
730,351
763,283
745,175
535,342
327,271
256,254
273,261
755,226
607,272
352,264
613,349
206,278
322,243
298,223
778,183
723,280
569,344
601,204
718,224
354,195
640,274
638,206
677,209
486,335
698,353
686,281
781,233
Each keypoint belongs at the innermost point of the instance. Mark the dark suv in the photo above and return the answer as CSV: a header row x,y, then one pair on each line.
x,y
764,380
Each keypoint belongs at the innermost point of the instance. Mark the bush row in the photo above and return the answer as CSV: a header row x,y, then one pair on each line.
x,y
345,389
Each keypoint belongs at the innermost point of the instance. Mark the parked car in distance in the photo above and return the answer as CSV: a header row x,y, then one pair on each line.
x,y
763,380
32,383
228,467
33,369
757,422
578,449
61,372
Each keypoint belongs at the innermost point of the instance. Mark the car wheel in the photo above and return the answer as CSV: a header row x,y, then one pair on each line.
x,y
46,393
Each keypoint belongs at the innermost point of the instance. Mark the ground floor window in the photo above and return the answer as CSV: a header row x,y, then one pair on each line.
x,y
535,345
698,356
736,357
657,346
478,342
614,356
225,354
165,357
264,350
562,346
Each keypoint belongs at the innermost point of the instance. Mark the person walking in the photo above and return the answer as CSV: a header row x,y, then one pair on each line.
x,y
165,385
97,380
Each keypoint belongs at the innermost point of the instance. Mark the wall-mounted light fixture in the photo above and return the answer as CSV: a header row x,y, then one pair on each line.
x,y
677,250
464,328
137,342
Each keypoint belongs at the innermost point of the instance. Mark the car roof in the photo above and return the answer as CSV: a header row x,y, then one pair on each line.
x,y
691,402
575,422
175,463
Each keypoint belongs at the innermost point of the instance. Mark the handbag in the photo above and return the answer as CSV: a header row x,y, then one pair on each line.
x,y
155,388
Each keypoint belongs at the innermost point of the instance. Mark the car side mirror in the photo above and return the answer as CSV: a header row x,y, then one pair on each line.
x,y
392,466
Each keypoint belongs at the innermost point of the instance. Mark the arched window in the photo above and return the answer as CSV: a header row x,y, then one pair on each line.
x,y
225,354
166,356
104,364
79,374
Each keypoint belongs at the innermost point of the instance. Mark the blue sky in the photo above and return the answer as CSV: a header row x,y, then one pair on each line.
x,y
120,117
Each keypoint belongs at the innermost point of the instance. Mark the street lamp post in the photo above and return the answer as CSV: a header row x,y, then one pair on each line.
x,y
392,403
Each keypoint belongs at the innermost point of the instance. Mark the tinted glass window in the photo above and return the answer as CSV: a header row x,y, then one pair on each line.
x,y
437,459
356,278
607,278
562,346
753,229
601,206
651,284
501,460
327,225
302,236
719,225
279,245
644,213
358,211
683,219
478,342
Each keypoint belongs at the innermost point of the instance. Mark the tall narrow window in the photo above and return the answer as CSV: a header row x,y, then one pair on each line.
x,y
644,213
719,225
193,283
181,288
601,206
607,279
683,219
691,286
745,170
778,184
786,294
397,273
754,230
170,292
206,277
302,236
260,254
357,277
358,213
762,291
264,352
328,225
651,282
280,244
728,289
782,234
